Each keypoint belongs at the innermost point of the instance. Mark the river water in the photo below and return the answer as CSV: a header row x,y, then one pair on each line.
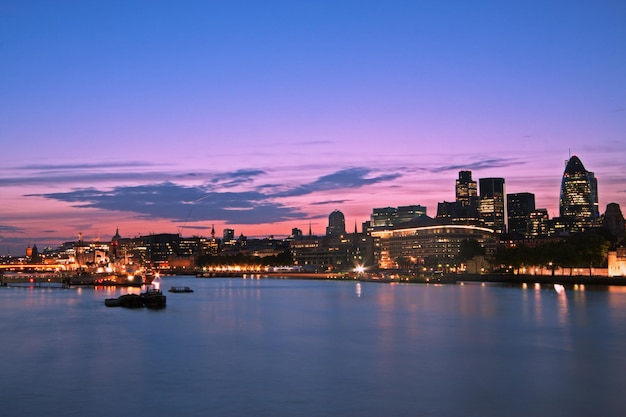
x,y
273,347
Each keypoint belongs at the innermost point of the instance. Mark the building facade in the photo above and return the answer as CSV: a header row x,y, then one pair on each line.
x,y
466,190
493,203
336,224
428,245
519,208
578,199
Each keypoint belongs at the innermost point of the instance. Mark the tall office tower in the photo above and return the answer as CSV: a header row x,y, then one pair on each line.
x,y
538,223
493,203
579,194
336,224
519,206
466,190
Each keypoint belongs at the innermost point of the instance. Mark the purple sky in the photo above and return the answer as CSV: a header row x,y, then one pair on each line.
x,y
163,116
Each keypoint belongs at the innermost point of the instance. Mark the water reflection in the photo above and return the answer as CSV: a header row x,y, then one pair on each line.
x,y
287,347
562,304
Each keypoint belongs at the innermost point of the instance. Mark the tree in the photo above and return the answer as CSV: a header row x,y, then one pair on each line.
x,y
469,249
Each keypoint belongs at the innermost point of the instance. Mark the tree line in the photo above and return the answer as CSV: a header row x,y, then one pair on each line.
x,y
581,250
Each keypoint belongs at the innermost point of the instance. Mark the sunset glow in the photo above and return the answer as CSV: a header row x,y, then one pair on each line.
x,y
265,116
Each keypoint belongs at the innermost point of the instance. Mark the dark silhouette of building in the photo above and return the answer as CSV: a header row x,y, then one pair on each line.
x,y
493,203
228,236
613,220
336,224
579,195
455,212
519,208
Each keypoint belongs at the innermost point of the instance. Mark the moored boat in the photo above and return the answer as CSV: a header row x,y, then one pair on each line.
x,y
153,298
180,289
131,301
113,302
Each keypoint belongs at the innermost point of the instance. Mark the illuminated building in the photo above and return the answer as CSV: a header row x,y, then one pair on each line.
x,y
519,207
407,213
617,262
384,218
579,195
464,210
538,223
466,190
493,203
428,245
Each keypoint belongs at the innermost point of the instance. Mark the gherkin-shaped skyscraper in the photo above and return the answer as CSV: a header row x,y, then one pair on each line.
x,y
579,194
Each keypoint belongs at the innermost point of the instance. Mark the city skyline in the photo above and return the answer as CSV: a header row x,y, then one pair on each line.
x,y
261,118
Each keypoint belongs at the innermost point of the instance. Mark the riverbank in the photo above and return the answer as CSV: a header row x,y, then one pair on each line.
x,y
452,278
543,279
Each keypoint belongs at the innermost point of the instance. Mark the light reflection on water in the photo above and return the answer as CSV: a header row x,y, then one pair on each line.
x,y
315,348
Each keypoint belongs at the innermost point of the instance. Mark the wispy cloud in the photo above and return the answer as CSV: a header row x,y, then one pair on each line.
x,y
185,203
57,178
81,166
11,229
236,178
480,164
347,178
323,203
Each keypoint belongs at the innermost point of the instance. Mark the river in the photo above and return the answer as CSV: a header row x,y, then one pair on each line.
x,y
278,347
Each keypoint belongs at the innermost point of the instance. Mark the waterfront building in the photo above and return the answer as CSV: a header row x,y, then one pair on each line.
x,y
519,208
430,246
617,262
493,203
308,252
579,195
336,224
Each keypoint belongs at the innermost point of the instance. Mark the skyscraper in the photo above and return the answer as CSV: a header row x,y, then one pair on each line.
x,y
336,224
466,190
519,207
493,203
579,194
538,223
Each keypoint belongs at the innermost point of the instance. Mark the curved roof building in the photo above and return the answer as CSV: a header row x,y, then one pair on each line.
x,y
336,224
579,193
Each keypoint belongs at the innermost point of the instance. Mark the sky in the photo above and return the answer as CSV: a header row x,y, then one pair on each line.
x,y
261,116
